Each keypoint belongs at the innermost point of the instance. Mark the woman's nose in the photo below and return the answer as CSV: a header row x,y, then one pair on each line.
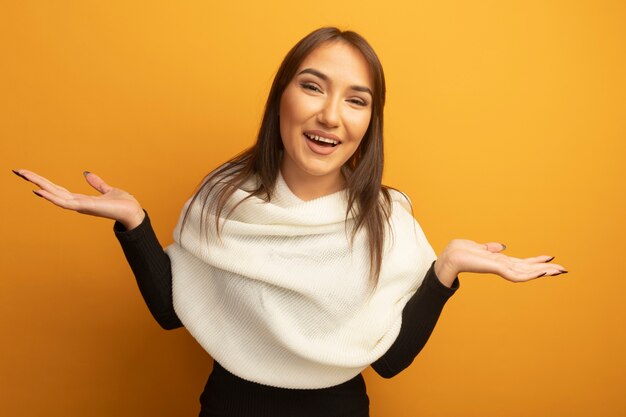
x,y
329,113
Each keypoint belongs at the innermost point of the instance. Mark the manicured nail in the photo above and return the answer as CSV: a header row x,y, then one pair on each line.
x,y
35,192
549,260
541,275
85,173
19,175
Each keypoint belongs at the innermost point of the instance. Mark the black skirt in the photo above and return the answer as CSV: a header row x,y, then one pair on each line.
x,y
227,395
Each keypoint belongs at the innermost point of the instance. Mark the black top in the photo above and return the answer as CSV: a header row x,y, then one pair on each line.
x,y
228,395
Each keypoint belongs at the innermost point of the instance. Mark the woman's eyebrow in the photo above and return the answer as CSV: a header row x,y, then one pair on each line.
x,y
324,77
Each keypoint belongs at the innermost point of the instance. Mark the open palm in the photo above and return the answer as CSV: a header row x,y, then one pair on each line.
x,y
462,255
112,203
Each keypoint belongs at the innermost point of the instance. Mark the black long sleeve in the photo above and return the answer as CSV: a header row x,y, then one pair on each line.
x,y
419,318
152,270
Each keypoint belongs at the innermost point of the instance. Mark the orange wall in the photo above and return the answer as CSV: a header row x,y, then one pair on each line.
x,y
505,121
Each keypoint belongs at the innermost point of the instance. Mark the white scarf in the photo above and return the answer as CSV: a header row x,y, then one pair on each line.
x,y
283,299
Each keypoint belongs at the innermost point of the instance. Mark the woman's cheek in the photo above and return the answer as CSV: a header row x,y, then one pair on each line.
x,y
358,126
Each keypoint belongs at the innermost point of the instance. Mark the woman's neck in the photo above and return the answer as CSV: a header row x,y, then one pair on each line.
x,y
309,187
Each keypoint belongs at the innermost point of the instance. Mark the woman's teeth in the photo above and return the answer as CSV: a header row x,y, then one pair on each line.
x,y
322,139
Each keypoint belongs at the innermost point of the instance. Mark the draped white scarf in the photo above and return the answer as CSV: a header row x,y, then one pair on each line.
x,y
283,299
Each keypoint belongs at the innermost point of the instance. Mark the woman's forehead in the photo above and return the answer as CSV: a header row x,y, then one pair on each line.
x,y
340,62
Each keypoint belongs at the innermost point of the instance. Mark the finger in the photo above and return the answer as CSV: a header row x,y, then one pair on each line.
x,y
97,182
539,259
519,275
63,202
522,276
552,273
515,269
494,246
40,181
19,174
557,269
543,262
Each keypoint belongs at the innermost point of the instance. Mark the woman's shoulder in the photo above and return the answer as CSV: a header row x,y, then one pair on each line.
x,y
397,197
228,174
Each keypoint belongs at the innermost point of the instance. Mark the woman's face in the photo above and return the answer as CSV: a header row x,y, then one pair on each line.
x,y
324,114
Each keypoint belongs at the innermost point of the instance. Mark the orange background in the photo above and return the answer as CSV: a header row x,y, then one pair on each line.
x,y
505,121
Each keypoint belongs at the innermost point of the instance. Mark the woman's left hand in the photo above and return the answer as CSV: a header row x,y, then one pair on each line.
x,y
462,255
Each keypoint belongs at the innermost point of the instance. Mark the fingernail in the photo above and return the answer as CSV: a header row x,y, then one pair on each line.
x,y
563,271
541,275
19,175
85,173
35,192
549,260
503,246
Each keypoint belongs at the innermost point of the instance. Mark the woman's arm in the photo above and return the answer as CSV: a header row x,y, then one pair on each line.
x,y
419,318
421,313
152,270
146,257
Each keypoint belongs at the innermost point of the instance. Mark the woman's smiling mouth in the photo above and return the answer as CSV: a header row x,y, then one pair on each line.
x,y
322,140
321,145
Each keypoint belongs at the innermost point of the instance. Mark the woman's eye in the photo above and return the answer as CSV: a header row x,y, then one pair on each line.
x,y
358,102
312,87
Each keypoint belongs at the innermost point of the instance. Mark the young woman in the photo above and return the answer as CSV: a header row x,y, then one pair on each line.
x,y
293,266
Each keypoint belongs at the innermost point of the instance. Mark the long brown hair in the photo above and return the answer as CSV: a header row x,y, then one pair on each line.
x,y
368,200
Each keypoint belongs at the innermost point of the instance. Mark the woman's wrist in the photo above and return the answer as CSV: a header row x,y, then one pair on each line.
x,y
445,271
133,220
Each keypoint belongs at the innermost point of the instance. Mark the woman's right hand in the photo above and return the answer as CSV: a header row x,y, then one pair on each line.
x,y
113,203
